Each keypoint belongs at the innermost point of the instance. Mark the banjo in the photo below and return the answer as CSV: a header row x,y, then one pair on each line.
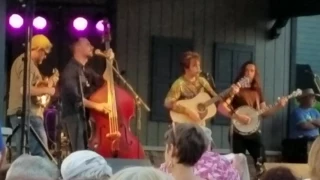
x,y
203,105
253,126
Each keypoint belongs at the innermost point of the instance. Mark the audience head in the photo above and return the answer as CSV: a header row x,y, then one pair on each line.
x,y
279,173
85,165
185,144
314,159
139,173
28,167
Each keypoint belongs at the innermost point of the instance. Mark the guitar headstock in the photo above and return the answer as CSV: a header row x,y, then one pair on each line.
x,y
295,93
244,82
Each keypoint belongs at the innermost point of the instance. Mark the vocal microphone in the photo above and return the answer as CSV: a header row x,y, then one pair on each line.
x,y
98,52
209,78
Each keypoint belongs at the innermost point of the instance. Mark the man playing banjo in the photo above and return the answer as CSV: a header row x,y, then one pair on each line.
x,y
252,97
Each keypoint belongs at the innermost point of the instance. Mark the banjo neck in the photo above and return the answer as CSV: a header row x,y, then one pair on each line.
x,y
275,104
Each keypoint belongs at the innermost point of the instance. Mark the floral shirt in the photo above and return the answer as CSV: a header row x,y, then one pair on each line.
x,y
212,166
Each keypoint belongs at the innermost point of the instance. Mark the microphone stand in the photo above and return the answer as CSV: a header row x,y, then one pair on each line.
x,y
137,97
84,119
58,124
25,123
139,101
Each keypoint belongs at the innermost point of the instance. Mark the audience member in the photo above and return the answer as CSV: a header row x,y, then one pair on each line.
x,y
314,160
140,173
278,173
185,144
305,120
27,167
2,149
212,165
85,165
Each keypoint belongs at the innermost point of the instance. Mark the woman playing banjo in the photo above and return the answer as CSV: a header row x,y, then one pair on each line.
x,y
252,97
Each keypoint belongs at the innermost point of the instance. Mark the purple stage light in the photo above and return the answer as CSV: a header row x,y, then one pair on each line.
x,y
16,21
39,22
80,23
100,26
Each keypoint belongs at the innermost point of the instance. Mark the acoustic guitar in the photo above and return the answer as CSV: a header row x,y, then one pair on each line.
x,y
255,115
44,100
203,105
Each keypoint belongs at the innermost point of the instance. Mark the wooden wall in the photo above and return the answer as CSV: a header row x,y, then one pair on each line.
x,y
206,22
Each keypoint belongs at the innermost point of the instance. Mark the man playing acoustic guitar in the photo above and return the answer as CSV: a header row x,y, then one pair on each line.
x,y
189,85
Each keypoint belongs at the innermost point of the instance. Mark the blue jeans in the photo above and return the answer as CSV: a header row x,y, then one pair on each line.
x,y
35,148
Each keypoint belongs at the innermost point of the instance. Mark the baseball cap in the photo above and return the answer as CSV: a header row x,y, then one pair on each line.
x,y
40,41
84,161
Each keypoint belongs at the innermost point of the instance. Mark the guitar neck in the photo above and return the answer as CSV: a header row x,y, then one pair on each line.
x,y
217,98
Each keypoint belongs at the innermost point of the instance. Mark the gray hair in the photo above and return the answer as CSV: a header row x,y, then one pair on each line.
x,y
32,167
85,164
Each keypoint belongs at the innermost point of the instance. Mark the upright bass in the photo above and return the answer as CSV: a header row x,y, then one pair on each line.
x,y
111,136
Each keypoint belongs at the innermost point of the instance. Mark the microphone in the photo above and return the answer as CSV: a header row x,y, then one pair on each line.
x,y
209,78
98,52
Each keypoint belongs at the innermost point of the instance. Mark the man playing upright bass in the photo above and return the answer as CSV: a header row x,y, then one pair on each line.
x,y
75,97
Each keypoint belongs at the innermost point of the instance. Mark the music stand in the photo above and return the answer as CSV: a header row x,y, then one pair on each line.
x,y
25,126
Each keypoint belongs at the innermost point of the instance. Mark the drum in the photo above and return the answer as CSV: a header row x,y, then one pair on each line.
x,y
50,123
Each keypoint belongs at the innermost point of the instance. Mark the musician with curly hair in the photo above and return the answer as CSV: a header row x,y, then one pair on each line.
x,y
252,97
188,86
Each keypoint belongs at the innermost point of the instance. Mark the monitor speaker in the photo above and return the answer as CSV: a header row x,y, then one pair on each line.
x,y
119,164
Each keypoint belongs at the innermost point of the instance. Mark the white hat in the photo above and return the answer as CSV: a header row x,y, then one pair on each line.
x,y
83,161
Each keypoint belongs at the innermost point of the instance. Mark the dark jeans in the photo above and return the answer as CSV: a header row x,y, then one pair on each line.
x,y
35,148
73,126
252,143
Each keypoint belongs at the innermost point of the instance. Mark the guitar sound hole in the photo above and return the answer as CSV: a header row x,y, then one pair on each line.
x,y
201,107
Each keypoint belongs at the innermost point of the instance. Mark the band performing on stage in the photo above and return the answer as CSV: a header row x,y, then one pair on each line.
x,y
96,111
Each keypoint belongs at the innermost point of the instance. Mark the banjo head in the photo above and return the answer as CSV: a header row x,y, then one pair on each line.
x,y
250,128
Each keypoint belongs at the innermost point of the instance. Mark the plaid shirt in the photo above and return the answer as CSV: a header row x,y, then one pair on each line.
x,y
212,166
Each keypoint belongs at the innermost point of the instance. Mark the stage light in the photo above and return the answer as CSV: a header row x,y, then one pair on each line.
x,y
16,21
39,22
80,23
99,26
